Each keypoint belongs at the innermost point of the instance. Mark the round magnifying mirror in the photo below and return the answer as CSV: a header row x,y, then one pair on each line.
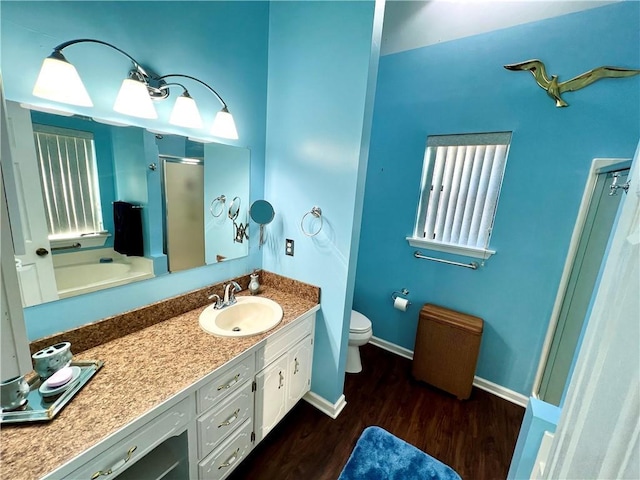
x,y
234,208
261,212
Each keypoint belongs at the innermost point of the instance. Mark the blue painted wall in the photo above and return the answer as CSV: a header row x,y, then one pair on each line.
x,y
458,87
223,43
319,62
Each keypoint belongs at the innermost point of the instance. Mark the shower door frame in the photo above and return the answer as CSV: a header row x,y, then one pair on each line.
x,y
192,161
598,167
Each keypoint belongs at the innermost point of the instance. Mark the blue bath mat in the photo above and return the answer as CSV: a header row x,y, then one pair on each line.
x,y
379,455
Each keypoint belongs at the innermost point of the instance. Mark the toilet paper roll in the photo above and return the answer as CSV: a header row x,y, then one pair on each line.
x,y
401,304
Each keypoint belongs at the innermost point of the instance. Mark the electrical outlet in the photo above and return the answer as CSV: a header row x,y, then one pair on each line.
x,y
288,247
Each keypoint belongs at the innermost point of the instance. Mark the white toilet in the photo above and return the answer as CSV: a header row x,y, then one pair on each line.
x,y
359,334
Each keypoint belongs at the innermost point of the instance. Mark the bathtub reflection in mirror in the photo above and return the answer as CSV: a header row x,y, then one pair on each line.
x,y
130,165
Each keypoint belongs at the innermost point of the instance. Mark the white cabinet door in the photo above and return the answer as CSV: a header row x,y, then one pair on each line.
x,y
271,396
300,358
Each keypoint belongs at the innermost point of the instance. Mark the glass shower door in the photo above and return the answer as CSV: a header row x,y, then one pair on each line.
x,y
184,196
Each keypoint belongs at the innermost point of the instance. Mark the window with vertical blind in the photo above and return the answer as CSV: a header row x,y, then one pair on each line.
x,y
461,180
69,179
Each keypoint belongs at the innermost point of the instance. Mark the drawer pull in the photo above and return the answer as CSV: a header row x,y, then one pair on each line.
x,y
296,367
230,460
231,419
281,381
232,382
116,466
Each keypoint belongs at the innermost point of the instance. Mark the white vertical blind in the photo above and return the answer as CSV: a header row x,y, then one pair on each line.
x,y
464,188
69,179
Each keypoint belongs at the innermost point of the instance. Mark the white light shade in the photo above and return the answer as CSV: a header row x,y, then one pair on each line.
x,y
185,113
224,126
133,99
59,81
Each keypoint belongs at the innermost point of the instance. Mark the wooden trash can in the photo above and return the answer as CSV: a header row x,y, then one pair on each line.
x,y
446,349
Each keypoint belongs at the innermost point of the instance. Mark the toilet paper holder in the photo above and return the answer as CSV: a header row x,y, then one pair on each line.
x,y
402,293
400,300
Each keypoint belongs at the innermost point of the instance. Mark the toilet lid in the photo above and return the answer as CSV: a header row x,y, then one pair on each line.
x,y
359,323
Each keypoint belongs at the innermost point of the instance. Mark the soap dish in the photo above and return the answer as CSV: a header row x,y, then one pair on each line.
x,y
48,391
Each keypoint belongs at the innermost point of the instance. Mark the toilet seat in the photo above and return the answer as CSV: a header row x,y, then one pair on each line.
x,y
359,323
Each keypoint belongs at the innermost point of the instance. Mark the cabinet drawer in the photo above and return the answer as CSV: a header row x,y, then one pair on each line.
x,y
135,446
215,426
227,381
284,341
226,457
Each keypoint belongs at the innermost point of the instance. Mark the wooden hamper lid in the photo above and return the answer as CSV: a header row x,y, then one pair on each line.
x,y
452,318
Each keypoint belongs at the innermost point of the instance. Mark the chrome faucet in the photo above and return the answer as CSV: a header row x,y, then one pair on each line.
x,y
229,290
218,305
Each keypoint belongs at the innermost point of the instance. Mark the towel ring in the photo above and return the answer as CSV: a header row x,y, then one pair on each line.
x,y
215,203
317,213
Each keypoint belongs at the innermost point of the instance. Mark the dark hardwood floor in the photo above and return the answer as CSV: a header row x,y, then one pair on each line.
x,y
476,437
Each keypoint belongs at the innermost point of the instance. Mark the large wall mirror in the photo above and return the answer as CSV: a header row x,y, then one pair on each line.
x,y
98,205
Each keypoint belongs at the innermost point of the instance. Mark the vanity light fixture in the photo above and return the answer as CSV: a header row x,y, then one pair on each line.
x,y
59,81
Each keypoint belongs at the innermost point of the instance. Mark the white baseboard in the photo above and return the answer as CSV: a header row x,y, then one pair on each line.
x,y
392,347
481,383
500,391
326,407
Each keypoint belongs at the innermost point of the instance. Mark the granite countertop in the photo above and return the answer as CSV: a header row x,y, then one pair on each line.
x,y
141,370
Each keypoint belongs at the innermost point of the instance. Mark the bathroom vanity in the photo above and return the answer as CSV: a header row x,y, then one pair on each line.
x,y
172,401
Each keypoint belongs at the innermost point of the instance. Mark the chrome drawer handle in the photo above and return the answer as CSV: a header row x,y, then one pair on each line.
x,y
116,466
232,382
231,419
230,460
296,367
281,382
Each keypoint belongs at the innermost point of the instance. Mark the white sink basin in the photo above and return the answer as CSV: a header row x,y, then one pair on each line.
x,y
248,316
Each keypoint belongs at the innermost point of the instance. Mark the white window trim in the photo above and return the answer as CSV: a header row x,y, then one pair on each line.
x,y
481,252
88,240
447,248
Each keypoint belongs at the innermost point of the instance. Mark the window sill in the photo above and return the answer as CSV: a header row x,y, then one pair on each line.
x,y
85,241
454,249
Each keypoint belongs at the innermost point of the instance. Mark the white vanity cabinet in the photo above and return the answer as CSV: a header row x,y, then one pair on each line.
x,y
225,421
286,376
239,407
211,427
151,444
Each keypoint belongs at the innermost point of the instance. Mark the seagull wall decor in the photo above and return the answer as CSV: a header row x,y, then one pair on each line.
x,y
554,88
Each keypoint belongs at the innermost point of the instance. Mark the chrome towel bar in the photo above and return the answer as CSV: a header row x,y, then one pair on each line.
x,y
68,247
472,265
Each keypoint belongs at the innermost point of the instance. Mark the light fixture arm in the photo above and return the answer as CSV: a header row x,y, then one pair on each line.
x,y
136,64
224,104
165,86
59,81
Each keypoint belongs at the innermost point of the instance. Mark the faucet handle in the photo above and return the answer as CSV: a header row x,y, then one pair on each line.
x,y
218,300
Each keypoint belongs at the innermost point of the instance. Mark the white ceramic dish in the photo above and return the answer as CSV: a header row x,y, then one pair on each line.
x,y
48,391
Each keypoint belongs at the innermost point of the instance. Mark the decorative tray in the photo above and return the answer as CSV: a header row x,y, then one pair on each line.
x,y
39,408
